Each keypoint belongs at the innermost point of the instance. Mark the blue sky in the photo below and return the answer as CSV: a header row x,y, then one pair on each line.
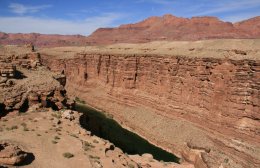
x,y
84,17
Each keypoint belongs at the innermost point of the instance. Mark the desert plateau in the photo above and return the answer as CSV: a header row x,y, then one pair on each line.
x,y
165,92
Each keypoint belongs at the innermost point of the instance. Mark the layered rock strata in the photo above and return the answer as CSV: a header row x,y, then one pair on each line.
x,y
203,109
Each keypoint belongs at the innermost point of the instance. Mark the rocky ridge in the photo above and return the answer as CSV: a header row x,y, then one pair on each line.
x,y
167,28
170,28
42,40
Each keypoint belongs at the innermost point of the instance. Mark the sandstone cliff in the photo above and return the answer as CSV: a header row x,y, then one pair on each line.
x,y
204,109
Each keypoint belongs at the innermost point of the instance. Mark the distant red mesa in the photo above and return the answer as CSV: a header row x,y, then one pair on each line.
x,y
167,27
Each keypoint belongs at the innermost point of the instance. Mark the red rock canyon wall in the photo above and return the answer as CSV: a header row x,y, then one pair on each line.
x,y
219,96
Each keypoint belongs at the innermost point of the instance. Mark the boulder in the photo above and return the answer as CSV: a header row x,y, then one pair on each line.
x,y
11,154
3,80
68,114
147,155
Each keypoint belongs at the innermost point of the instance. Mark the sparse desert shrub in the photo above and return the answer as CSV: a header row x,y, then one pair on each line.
x,y
38,134
73,135
226,160
87,146
240,52
131,166
110,116
95,141
56,115
57,129
56,138
23,124
22,114
68,155
54,142
78,100
24,127
93,157
14,127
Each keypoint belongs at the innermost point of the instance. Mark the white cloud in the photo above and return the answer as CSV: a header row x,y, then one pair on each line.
x,y
230,6
237,18
24,24
24,9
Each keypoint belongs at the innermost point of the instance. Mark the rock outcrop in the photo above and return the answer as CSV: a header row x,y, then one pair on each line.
x,y
25,83
11,154
7,70
204,109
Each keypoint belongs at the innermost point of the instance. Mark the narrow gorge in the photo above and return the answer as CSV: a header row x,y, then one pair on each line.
x,y
201,105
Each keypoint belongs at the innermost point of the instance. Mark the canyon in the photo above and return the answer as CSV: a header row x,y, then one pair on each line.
x,y
198,100
190,86
167,28
38,127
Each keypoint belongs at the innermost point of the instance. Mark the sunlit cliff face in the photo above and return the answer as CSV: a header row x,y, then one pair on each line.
x,y
176,102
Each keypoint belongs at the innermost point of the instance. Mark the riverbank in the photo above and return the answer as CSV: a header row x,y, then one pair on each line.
x,y
48,136
104,126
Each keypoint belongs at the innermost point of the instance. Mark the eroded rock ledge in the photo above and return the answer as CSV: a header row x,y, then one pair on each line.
x,y
24,82
203,109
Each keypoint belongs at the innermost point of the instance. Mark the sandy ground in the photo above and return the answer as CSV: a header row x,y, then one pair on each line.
x,y
223,48
39,134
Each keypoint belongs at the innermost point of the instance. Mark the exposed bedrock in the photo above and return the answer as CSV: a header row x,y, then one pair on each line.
x,y
205,110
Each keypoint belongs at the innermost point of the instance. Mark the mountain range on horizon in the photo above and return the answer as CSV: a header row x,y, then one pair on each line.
x,y
167,27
